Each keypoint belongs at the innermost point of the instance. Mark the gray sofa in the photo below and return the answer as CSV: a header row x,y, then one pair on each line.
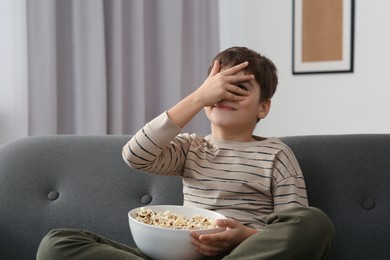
x,y
82,182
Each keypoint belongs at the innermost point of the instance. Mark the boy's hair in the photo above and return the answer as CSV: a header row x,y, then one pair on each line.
x,y
261,67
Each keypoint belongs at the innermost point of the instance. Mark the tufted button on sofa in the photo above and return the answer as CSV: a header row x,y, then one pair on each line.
x,y
51,182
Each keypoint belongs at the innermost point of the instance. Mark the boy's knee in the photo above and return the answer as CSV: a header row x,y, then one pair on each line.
x,y
49,246
46,246
311,224
316,225
318,221
310,230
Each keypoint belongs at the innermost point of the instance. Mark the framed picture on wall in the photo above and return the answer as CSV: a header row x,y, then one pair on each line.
x,y
323,36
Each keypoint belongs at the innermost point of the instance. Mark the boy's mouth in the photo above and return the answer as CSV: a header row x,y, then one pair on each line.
x,y
223,106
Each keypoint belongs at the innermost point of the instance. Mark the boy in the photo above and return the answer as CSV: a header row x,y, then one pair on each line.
x,y
255,182
244,177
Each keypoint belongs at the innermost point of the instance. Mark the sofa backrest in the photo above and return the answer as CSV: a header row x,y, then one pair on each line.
x,y
348,177
82,182
71,181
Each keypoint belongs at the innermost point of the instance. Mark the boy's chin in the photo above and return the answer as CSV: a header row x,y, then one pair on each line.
x,y
228,124
221,120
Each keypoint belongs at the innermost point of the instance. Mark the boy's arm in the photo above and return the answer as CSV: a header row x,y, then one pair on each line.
x,y
289,186
157,147
153,147
290,192
219,85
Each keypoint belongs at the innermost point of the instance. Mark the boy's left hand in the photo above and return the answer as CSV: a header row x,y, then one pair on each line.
x,y
218,243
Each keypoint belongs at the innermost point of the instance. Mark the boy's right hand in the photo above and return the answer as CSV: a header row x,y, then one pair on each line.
x,y
219,85
222,85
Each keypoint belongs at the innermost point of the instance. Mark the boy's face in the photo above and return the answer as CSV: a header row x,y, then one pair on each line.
x,y
240,116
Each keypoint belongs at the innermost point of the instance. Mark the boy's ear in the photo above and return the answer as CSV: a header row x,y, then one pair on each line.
x,y
264,109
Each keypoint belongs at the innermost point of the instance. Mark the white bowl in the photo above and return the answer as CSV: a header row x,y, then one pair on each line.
x,y
167,243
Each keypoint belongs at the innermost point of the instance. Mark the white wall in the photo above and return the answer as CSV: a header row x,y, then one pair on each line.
x,y
304,104
317,104
13,70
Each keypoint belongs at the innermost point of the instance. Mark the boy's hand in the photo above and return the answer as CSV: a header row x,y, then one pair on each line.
x,y
218,243
221,85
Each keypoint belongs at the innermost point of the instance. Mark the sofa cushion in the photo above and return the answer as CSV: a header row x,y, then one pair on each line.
x,y
71,181
82,182
348,177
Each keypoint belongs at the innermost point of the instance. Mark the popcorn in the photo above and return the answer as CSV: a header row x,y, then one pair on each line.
x,y
171,220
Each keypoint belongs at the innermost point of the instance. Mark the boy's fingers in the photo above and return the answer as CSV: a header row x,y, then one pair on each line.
x,y
227,223
233,97
194,234
240,78
238,91
236,68
215,68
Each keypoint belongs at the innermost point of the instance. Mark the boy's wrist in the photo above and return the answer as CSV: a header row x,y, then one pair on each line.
x,y
185,110
196,100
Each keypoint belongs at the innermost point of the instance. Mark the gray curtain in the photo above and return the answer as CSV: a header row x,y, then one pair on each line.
x,y
109,66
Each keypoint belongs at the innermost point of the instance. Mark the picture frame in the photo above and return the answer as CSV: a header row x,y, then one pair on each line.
x,y
323,36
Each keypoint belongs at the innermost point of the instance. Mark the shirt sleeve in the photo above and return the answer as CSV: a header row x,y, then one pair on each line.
x,y
157,148
289,189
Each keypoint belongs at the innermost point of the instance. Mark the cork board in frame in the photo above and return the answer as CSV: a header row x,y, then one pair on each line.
x,y
323,36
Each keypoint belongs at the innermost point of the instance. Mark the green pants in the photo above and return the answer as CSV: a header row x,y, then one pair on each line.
x,y
296,233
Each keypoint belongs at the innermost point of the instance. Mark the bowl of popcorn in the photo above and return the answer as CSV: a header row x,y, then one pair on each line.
x,y
163,232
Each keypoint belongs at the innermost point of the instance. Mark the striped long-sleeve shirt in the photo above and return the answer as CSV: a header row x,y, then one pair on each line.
x,y
245,181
